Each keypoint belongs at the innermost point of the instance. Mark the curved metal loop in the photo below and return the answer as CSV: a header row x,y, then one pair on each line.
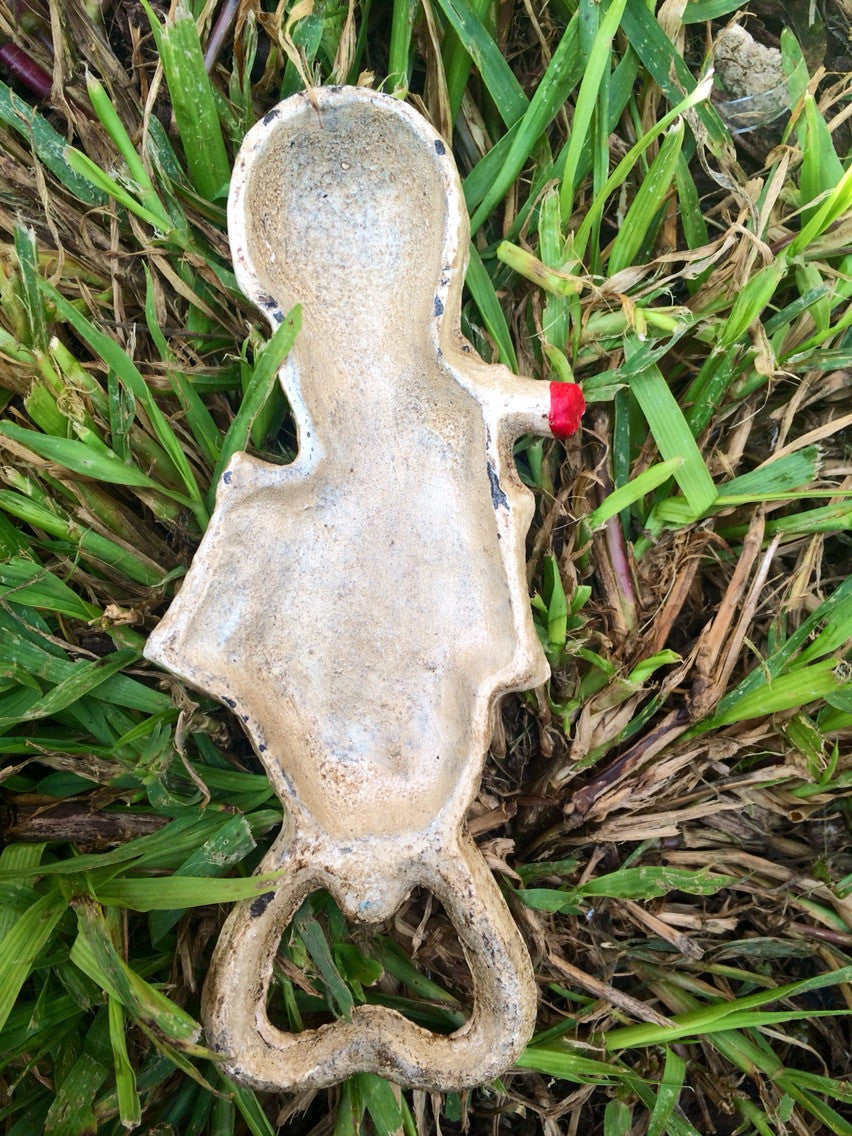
x,y
374,1039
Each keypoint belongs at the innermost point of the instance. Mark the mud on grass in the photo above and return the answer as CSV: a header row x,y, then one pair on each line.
x,y
669,816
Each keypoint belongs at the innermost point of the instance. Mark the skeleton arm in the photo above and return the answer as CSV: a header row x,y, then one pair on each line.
x,y
548,409
525,406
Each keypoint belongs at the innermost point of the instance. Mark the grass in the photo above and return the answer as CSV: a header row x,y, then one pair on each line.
x,y
668,817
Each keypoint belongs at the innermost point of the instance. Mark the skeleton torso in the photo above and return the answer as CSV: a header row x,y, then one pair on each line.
x,y
359,606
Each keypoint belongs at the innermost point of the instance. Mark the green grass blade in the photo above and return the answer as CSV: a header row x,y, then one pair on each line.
x,y
652,880
482,290
821,167
381,1102
78,457
648,201
90,544
671,1086
457,62
746,1020
750,302
255,1118
786,473
598,59
829,518
313,937
399,57
22,945
82,164
823,1112
108,350
349,1112
178,893
71,1111
259,389
557,604
695,1020
634,491
551,280
667,67
94,952
558,81
478,182
25,248
837,204
103,108
84,679
617,1118
225,849
830,611
193,101
129,1106
670,432
157,851
19,860
836,634
198,418
676,1125
787,692
399,965
697,11
560,1061
504,88
48,145
621,171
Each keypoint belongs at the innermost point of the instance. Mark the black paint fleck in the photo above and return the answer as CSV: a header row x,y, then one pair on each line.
x,y
498,497
262,748
226,476
270,116
440,148
259,905
228,701
271,306
439,306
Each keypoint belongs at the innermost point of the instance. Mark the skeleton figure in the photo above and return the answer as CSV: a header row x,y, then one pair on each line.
x,y
363,608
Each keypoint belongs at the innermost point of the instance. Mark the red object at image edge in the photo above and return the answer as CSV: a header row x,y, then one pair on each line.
x,y
566,407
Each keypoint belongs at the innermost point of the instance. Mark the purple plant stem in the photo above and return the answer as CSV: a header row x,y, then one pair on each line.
x,y
621,568
220,32
26,70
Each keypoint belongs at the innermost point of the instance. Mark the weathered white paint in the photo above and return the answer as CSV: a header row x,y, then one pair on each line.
x,y
362,609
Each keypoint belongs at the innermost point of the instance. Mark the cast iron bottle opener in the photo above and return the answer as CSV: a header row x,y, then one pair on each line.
x,y
363,608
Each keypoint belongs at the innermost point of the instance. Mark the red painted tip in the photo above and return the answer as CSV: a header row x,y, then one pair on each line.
x,y
566,407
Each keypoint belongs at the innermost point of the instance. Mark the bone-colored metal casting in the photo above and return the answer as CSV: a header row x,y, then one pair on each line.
x,y
363,608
